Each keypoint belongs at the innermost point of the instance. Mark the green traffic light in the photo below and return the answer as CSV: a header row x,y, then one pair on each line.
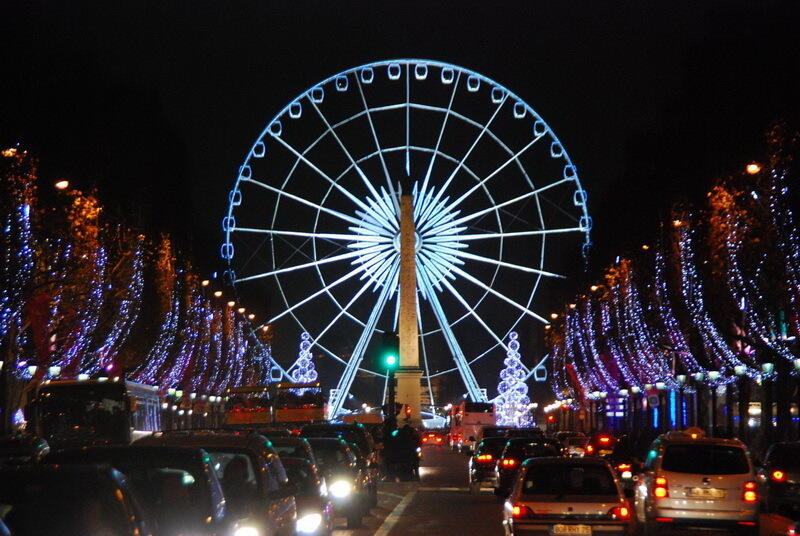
x,y
391,360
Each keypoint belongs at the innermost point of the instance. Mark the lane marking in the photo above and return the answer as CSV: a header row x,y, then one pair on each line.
x,y
444,489
395,495
392,519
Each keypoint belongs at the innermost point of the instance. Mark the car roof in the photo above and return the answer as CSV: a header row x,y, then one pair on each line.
x,y
672,439
150,453
206,439
565,461
72,470
292,440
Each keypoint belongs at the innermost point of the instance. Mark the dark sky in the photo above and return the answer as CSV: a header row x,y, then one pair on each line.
x,y
156,103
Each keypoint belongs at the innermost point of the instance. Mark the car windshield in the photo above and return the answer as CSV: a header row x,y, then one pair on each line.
x,y
567,479
174,491
236,470
351,435
329,454
492,446
785,457
702,459
83,413
61,504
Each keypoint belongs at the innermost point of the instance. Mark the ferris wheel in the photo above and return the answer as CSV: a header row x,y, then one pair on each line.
x,y
312,224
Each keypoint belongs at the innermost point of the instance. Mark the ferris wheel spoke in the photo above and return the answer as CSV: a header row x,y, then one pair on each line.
x,y
311,204
377,142
452,343
472,312
466,155
321,173
326,260
483,181
349,374
344,309
408,121
480,258
424,199
469,217
324,236
497,294
484,236
352,273
376,198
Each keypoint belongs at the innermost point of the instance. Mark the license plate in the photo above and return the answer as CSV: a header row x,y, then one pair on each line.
x,y
580,530
706,493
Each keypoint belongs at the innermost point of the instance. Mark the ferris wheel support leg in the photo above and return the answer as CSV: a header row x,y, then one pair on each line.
x,y
349,374
474,391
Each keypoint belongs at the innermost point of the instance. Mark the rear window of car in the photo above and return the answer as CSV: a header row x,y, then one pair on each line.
x,y
785,457
569,479
492,446
290,451
705,459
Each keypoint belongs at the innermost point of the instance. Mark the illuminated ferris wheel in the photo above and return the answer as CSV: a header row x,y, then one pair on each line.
x,y
313,217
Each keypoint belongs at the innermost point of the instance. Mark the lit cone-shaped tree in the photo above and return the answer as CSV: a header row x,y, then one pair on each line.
x,y
304,370
512,399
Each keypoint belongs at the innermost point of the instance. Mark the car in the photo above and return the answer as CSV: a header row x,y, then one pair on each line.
x,y
293,447
624,461
253,479
347,481
483,462
559,496
21,449
564,435
600,444
575,445
49,500
175,484
431,439
314,508
516,451
780,479
693,483
352,433
492,431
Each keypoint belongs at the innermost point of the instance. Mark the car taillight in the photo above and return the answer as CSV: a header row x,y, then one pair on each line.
x,y
508,462
749,493
424,439
622,513
438,439
624,467
604,439
520,511
778,476
660,489
589,449
484,457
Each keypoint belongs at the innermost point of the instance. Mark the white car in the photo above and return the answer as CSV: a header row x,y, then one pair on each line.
x,y
693,483
567,496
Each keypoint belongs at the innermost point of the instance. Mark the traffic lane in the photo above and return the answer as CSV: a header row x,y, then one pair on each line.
x,y
442,504
390,494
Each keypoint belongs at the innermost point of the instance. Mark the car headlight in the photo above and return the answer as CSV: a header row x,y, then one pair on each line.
x,y
340,488
309,523
246,531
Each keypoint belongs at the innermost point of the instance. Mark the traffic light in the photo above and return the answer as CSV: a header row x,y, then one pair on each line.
x,y
408,410
390,351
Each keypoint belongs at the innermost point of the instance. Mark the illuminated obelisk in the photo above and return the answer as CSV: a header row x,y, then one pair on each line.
x,y
408,374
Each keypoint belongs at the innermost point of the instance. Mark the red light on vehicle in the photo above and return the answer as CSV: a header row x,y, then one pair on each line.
x,y
661,490
589,449
551,418
484,457
750,495
438,439
519,511
295,432
425,439
508,462
604,439
664,519
778,476
748,523
624,467
620,512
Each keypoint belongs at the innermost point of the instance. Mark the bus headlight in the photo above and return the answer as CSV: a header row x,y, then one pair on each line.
x,y
309,523
340,489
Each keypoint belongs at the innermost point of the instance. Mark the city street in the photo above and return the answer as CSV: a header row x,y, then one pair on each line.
x,y
440,504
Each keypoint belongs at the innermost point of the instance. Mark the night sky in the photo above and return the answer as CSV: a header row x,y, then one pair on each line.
x,y
156,103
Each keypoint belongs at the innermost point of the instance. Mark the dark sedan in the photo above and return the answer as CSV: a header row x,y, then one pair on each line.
x,y
483,462
518,450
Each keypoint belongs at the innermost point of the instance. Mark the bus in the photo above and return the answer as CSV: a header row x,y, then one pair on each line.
x,y
71,413
466,421
290,403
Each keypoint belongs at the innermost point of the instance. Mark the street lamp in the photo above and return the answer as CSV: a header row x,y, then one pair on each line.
x,y
217,293
63,184
205,282
752,168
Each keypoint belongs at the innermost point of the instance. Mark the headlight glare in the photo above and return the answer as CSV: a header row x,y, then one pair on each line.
x,y
340,488
246,531
309,523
